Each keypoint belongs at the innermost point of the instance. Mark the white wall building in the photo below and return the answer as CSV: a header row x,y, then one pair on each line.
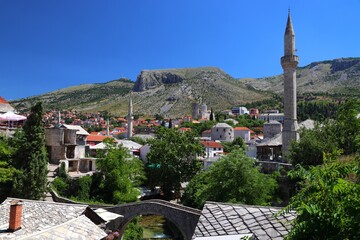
x,y
242,132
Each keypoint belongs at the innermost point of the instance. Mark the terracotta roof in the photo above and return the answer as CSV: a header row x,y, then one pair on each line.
x,y
241,129
211,144
96,138
2,100
221,219
207,131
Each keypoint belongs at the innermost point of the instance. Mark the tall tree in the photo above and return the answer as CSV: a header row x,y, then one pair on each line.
x,y
233,178
7,171
31,157
173,159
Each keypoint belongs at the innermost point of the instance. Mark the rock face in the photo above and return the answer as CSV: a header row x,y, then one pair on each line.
x,y
153,79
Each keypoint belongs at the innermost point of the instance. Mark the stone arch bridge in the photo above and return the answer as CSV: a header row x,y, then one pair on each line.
x,y
184,218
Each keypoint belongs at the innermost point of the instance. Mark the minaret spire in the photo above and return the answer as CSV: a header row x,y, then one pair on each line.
x,y
289,63
130,119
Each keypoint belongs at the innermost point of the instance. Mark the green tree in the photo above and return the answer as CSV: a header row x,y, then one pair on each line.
x,y
7,171
133,231
313,143
118,175
342,133
31,157
234,179
172,159
328,205
237,144
347,126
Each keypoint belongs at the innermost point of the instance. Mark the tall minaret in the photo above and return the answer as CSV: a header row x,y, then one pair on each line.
x,y
130,119
289,63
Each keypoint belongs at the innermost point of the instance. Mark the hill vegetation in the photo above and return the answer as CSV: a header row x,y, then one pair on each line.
x,y
171,92
333,77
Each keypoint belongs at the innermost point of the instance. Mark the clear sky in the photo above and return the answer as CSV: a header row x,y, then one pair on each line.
x,y
46,45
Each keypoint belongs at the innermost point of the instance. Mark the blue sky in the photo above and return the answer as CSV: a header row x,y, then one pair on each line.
x,y
48,44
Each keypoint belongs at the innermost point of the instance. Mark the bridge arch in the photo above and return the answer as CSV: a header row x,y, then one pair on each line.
x,y
184,218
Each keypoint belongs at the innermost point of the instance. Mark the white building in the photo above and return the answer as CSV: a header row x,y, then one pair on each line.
x,y
242,132
239,110
212,148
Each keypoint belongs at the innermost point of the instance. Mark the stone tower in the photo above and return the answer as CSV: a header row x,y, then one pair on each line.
x,y
289,63
130,119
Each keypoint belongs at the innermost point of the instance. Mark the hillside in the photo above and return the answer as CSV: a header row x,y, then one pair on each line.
x,y
169,92
338,76
82,97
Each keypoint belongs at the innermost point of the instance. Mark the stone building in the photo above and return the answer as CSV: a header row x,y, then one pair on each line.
x,y
222,132
67,143
271,128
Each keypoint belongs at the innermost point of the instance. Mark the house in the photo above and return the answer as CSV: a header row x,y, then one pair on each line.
x,y
239,111
272,116
29,219
242,132
131,146
212,148
67,144
236,221
271,128
92,140
222,132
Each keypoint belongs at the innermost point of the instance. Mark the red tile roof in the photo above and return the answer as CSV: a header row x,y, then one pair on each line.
x,y
211,144
2,100
241,129
96,138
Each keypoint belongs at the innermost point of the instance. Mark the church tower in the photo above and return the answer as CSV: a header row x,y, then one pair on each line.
x,y
130,119
289,63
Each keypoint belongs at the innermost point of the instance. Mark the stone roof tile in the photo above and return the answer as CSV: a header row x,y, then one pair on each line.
x,y
39,218
219,219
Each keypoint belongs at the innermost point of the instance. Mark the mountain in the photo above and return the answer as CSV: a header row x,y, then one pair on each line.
x,y
169,92
338,76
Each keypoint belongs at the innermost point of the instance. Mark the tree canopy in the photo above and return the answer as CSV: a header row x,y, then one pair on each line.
x,y
172,159
235,179
328,205
118,175
341,133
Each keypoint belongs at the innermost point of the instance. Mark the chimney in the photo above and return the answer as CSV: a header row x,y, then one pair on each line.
x,y
15,215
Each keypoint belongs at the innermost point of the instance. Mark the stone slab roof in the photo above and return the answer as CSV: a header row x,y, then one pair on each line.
x,y
39,217
220,219
79,129
222,125
272,142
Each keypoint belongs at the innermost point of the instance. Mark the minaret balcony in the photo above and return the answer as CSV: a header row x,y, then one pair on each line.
x,y
289,61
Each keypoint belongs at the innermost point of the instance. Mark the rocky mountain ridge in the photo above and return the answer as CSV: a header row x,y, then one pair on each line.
x,y
171,92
